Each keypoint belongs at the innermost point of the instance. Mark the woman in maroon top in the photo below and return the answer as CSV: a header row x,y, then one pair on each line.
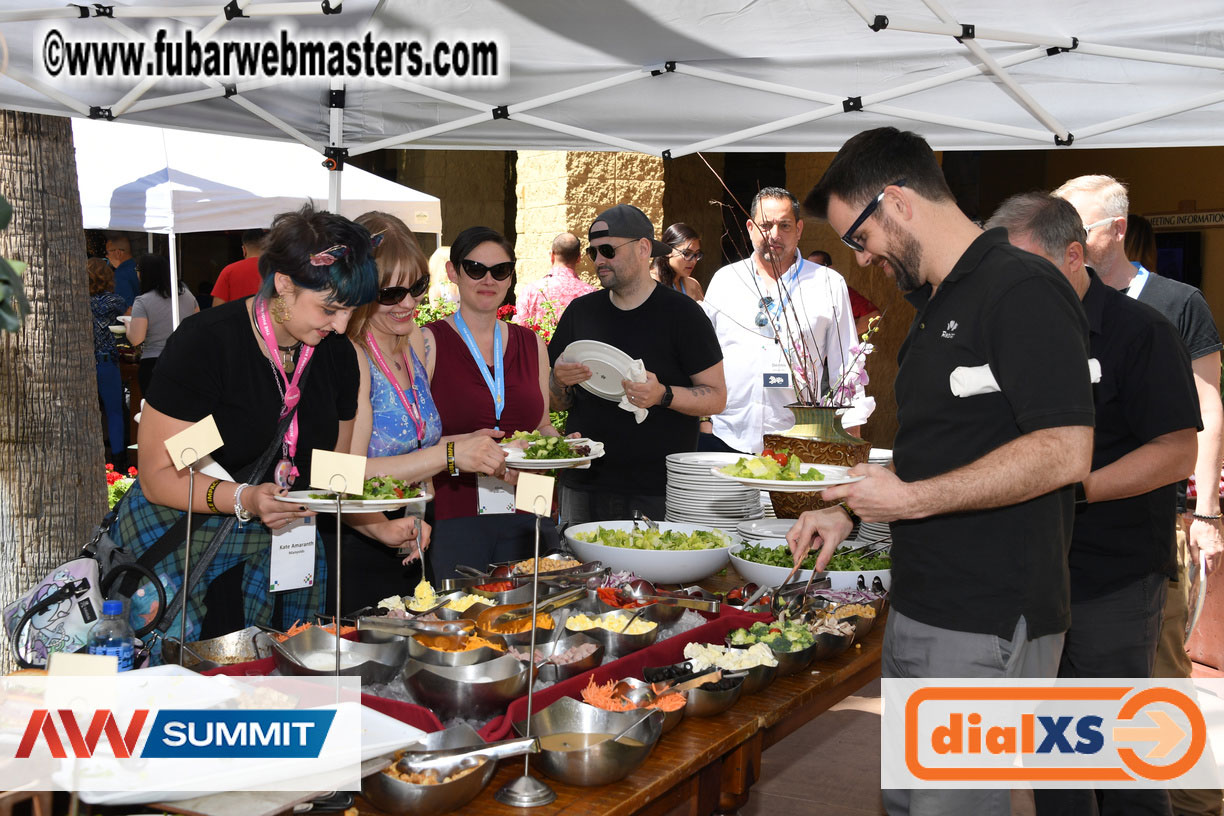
x,y
484,374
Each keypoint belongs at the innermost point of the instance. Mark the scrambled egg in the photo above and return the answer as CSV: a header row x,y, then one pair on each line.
x,y
395,603
710,655
423,597
612,621
466,602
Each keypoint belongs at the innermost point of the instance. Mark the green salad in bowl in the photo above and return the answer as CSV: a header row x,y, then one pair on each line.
x,y
649,539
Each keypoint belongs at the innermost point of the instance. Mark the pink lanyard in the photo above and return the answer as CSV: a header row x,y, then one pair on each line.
x,y
413,408
292,393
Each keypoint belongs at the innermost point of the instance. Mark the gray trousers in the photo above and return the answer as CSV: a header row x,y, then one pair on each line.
x,y
913,649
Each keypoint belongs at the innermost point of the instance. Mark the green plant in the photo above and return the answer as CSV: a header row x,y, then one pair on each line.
x,y
428,312
13,304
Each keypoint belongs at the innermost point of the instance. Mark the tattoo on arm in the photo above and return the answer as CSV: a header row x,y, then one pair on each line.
x,y
560,396
701,390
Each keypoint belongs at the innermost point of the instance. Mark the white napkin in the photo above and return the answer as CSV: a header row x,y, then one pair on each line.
x,y
637,373
971,381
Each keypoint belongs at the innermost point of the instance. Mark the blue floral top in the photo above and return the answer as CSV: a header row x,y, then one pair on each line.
x,y
393,432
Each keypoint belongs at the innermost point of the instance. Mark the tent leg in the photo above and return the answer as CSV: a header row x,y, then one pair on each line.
x,y
175,317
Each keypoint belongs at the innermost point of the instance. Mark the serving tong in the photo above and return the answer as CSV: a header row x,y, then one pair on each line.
x,y
406,627
448,758
639,516
547,605
642,696
639,594
474,577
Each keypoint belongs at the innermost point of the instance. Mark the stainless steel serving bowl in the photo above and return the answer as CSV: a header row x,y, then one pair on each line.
x,y
395,796
830,644
439,650
670,718
603,762
523,638
554,672
788,662
702,703
756,678
473,692
311,654
862,625
242,646
617,644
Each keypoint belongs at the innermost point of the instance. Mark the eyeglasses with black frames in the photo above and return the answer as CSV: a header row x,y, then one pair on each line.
x,y
848,237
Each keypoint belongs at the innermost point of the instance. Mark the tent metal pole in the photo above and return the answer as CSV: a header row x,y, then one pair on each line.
x,y
624,144
1027,100
277,122
175,317
46,90
581,90
431,93
335,139
158,12
423,133
1144,55
1154,113
203,35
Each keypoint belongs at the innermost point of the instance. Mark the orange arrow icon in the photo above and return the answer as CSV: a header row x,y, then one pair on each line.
x,y
1165,733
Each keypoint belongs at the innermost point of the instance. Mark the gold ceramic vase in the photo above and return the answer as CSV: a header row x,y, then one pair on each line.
x,y
817,438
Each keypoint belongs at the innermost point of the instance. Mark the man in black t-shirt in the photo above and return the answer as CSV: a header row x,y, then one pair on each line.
x,y
682,376
995,424
1146,421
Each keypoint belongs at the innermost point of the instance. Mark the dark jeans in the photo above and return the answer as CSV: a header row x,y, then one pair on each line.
x,y
482,540
1111,636
110,389
583,506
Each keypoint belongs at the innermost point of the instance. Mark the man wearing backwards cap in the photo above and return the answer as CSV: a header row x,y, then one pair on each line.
x,y
681,377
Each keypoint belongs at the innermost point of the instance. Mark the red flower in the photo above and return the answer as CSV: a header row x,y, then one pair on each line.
x,y
131,472
109,467
505,312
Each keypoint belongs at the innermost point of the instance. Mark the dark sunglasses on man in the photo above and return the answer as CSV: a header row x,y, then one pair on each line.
x,y
608,250
391,295
476,270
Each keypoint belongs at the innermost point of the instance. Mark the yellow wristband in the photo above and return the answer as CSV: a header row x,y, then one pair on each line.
x,y
208,497
451,467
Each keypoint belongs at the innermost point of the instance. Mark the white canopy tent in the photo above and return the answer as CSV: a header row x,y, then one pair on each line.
x,y
149,179
678,77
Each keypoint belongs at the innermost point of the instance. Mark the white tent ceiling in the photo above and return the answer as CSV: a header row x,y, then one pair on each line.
x,y
677,77
149,179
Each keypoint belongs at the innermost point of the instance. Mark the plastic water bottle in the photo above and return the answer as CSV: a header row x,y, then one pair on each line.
x,y
112,635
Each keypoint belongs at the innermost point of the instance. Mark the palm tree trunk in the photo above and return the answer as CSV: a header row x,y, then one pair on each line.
x,y
52,492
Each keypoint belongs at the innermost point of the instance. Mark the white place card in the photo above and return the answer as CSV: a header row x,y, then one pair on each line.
x,y
337,472
191,445
534,493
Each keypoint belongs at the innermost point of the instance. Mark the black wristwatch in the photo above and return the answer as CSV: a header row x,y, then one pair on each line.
x,y
1080,496
667,397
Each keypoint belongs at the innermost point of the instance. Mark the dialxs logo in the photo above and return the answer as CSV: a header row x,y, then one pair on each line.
x,y
180,734
1101,733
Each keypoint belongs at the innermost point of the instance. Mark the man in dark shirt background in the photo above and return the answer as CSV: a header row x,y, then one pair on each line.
x,y
1122,546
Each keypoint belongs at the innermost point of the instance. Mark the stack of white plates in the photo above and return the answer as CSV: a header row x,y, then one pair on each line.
x,y
696,496
879,456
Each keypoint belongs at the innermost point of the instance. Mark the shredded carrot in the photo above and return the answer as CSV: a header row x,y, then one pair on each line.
x,y
600,696
298,627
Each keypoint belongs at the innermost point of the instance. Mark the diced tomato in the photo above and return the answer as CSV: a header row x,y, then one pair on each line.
x,y
767,452
781,458
773,629
398,491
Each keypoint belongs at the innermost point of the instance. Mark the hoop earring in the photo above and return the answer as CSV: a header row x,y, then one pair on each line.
x,y
279,309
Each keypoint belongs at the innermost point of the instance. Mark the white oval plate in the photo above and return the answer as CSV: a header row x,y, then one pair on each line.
x,y
303,498
609,365
834,475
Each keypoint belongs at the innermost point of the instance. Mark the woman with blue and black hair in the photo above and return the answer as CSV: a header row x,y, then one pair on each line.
x,y
277,374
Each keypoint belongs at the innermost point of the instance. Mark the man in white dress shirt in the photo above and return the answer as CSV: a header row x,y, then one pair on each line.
x,y
770,307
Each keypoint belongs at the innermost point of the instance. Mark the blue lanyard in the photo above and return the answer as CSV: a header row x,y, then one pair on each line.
x,y
497,382
777,307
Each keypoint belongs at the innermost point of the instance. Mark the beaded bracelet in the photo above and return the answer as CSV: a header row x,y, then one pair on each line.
x,y
451,467
208,497
1206,516
241,512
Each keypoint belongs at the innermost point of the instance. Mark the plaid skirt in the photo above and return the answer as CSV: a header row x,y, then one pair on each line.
x,y
141,524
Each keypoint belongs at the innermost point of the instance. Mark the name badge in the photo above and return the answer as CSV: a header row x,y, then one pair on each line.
x,y
777,379
293,556
493,495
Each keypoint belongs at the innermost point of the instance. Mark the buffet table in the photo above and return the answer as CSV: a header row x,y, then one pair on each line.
x,y
709,763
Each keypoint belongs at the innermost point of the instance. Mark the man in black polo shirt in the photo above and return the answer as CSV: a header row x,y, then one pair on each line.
x,y
1147,417
995,425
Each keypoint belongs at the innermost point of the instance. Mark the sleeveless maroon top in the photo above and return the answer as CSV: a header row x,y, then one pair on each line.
x,y
465,404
